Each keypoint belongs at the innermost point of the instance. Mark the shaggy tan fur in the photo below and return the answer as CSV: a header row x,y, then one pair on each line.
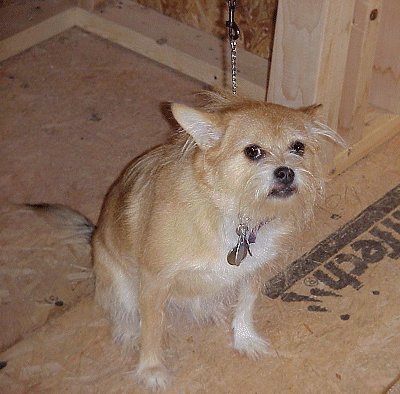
x,y
170,219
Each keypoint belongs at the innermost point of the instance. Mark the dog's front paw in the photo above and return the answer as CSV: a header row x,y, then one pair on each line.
x,y
154,378
251,345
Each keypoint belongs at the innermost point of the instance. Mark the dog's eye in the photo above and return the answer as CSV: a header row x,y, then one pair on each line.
x,y
254,152
297,148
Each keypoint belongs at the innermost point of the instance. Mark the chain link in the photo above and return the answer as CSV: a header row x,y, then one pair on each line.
x,y
233,66
233,32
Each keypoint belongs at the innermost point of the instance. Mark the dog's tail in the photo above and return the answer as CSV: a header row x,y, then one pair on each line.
x,y
75,227
46,254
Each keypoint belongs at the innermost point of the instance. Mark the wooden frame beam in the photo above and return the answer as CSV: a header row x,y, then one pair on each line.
x,y
309,54
378,128
360,62
385,83
176,45
35,34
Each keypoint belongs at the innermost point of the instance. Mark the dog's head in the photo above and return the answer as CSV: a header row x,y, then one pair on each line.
x,y
261,159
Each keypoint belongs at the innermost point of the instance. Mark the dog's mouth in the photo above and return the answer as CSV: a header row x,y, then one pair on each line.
x,y
282,191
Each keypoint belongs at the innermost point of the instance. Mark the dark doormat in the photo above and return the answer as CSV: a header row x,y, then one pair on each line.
x,y
342,259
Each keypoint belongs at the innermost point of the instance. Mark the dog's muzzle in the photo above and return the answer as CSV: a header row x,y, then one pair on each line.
x,y
283,187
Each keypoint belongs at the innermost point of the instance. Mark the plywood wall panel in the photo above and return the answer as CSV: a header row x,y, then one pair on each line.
x,y
256,19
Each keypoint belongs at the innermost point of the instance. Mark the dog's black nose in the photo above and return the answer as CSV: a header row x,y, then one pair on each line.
x,y
284,175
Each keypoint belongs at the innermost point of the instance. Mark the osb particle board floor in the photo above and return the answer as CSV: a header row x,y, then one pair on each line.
x,y
79,105
75,109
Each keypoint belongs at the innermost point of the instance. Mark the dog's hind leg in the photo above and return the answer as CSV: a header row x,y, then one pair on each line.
x,y
117,293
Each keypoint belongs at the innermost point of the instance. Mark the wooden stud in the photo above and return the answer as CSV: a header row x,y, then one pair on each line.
x,y
379,129
176,45
157,37
21,15
385,84
309,54
360,60
38,33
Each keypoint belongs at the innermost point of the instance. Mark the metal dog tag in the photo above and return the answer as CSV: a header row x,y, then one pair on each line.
x,y
239,252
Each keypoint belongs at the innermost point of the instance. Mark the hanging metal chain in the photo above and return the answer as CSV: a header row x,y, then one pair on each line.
x,y
233,66
234,33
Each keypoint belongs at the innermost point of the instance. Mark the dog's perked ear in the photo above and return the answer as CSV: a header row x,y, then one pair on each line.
x,y
201,126
311,110
321,130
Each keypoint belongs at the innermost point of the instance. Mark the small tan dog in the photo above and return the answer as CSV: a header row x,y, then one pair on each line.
x,y
189,224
